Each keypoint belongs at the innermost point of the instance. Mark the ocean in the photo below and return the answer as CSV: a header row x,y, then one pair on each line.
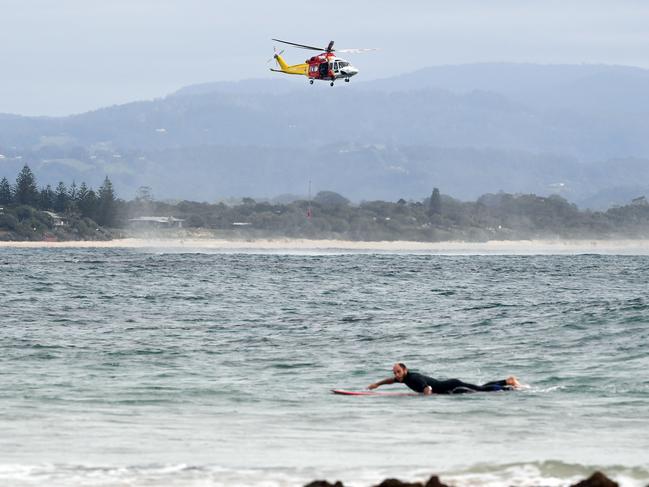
x,y
146,367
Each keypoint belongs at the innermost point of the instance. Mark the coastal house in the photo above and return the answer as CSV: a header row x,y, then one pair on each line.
x,y
58,220
156,222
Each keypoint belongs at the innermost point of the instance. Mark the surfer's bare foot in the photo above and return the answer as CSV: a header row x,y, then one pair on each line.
x,y
513,381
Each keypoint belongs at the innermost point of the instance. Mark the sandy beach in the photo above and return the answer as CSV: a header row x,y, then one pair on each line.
x,y
522,247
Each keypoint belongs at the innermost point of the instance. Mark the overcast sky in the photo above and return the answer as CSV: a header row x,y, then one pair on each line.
x,y
67,56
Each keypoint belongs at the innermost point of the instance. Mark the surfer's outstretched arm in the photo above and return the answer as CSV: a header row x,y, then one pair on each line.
x,y
389,380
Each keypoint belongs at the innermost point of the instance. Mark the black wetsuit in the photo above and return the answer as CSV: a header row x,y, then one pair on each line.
x,y
418,382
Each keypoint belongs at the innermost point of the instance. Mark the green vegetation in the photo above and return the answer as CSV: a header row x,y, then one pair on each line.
x,y
27,213
80,213
500,216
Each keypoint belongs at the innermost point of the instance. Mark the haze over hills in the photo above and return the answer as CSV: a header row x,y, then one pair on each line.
x,y
579,131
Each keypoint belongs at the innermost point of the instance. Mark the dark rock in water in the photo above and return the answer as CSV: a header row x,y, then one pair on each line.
x,y
434,482
398,483
324,483
598,479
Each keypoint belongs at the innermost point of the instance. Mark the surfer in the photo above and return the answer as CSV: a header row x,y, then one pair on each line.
x,y
427,385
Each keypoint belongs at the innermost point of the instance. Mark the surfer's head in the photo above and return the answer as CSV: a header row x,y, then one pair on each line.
x,y
399,370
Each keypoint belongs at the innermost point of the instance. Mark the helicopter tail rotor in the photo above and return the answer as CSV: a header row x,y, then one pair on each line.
x,y
275,54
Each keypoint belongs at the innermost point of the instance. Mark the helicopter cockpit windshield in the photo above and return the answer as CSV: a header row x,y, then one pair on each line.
x,y
337,66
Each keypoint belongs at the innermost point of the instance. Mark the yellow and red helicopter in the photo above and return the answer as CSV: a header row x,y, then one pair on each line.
x,y
325,66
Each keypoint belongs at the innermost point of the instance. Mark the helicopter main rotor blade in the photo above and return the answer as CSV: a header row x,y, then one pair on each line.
x,y
357,50
301,46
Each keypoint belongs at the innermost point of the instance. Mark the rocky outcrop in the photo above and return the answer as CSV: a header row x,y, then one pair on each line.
x,y
598,479
398,483
324,483
432,482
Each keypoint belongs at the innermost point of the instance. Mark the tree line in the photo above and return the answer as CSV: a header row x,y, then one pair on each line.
x,y
439,217
99,206
499,216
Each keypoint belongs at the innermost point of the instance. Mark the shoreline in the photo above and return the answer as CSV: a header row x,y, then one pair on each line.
x,y
515,247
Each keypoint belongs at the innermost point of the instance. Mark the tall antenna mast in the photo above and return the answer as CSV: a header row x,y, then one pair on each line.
x,y
308,209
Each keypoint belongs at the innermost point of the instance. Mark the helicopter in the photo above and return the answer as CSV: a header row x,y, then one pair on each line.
x,y
325,66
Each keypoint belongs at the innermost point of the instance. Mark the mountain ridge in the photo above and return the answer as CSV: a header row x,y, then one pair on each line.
x,y
492,114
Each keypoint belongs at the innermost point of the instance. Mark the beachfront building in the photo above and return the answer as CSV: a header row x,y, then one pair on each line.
x,y
58,220
156,222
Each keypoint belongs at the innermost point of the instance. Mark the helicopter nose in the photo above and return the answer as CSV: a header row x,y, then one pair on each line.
x,y
350,71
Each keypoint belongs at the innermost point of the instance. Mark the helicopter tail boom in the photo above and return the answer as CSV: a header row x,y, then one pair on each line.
x,y
286,68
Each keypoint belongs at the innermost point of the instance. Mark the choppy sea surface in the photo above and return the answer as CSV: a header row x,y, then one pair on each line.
x,y
136,368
